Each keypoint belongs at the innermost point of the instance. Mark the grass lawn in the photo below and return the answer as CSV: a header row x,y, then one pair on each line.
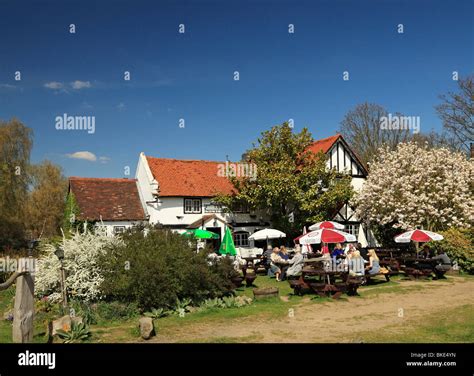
x,y
447,326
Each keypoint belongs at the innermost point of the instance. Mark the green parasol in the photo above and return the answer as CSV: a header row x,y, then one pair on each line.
x,y
201,234
227,245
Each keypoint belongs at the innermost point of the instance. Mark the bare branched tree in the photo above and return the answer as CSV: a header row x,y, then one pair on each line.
x,y
361,128
457,112
437,140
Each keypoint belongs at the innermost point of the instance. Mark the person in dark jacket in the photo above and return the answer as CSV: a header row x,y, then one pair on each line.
x,y
426,252
444,264
266,259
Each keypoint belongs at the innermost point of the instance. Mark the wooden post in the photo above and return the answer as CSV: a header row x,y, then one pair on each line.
x,y
24,308
63,286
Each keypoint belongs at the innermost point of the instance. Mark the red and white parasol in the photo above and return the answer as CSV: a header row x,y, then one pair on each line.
x,y
420,236
306,248
326,224
327,236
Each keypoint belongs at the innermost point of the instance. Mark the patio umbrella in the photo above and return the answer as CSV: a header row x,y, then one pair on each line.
x,y
306,247
418,236
361,238
326,224
327,236
227,246
201,234
268,233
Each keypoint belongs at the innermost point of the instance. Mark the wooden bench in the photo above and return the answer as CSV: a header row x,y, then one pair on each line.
x,y
415,273
368,277
298,285
353,283
324,284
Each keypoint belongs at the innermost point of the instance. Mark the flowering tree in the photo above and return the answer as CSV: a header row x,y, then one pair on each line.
x,y
291,182
418,186
81,264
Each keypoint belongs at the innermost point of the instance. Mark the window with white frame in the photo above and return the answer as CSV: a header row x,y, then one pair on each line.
x,y
119,229
241,239
192,205
352,229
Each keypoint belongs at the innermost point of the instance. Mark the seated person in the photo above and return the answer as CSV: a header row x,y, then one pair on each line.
x,y
276,262
338,251
266,257
426,252
444,265
284,253
374,264
356,264
325,250
350,248
296,263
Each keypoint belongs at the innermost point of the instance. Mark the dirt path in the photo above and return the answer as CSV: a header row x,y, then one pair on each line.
x,y
335,321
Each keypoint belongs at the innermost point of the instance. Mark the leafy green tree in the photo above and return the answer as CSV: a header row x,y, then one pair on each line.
x,y
31,196
44,207
15,147
292,185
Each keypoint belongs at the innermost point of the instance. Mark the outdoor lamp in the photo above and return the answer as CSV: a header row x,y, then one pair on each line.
x,y
59,252
31,245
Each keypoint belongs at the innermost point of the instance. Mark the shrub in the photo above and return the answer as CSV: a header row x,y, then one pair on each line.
x,y
82,267
459,246
115,311
161,268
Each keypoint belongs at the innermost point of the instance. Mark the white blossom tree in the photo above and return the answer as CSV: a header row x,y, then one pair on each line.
x,y
81,264
415,186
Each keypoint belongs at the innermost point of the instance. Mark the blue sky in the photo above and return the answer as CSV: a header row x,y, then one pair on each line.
x,y
191,75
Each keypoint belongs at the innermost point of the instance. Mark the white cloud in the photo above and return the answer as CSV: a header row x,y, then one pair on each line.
x,y
86,155
78,85
7,86
104,159
54,85
87,106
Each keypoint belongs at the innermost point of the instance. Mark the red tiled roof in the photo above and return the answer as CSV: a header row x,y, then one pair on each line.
x,y
323,145
189,178
109,199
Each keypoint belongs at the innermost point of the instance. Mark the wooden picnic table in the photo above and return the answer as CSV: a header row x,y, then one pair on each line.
x,y
249,261
316,277
316,259
416,267
329,282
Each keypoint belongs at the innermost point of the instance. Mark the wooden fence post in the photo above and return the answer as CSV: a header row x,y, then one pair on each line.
x,y
24,308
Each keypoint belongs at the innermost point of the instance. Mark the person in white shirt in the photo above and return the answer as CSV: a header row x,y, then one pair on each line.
x,y
296,263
